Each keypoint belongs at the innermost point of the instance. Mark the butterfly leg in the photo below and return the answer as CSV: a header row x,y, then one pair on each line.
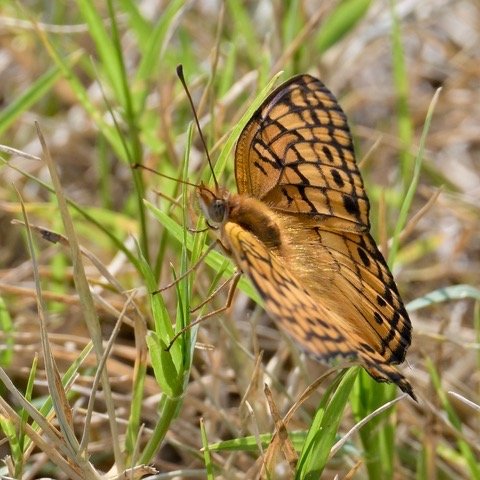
x,y
231,291
189,271
214,293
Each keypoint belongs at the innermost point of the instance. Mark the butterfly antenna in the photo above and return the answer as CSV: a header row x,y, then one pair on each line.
x,y
175,179
182,79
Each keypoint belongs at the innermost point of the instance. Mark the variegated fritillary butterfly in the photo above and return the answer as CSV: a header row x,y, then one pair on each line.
x,y
299,228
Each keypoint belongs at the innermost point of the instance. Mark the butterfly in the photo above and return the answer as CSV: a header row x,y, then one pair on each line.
x,y
299,229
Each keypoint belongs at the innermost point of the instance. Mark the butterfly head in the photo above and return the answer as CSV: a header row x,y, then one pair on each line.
x,y
214,204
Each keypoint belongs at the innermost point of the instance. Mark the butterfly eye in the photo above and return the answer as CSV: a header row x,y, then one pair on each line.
x,y
217,211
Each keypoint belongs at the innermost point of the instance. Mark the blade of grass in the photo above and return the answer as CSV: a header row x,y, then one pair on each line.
x,y
250,443
6,327
364,421
105,46
29,97
56,389
167,410
57,392
52,445
98,374
82,94
90,218
49,431
378,435
243,28
237,129
134,150
400,81
137,22
155,46
207,458
15,453
167,366
22,440
184,286
467,453
322,433
88,305
140,373
412,187
454,292
340,22
68,378
172,366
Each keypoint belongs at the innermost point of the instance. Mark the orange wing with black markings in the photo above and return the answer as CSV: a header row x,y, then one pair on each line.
x,y
296,155
314,327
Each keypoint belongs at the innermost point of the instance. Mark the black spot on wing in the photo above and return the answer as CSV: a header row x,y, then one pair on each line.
x,y
367,347
363,256
387,295
328,154
337,178
380,301
351,205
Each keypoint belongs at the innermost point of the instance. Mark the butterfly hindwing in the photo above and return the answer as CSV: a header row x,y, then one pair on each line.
x,y
296,155
319,331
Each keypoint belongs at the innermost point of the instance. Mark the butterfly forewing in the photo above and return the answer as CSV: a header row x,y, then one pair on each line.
x,y
296,154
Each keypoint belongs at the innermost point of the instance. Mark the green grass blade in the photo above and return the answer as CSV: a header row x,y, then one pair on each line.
x,y
168,366
323,431
412,188
28,395
136,21
83,97
250,444
109,60
55,390
340,22
83,288
401,83
166,372
7,330
376,435
154,48
467,454
8,429
235,133
133,148
207,458
243,28
454,292
35,92
93,219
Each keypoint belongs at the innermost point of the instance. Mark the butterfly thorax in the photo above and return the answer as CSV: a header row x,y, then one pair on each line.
x,y
257,218
220,206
